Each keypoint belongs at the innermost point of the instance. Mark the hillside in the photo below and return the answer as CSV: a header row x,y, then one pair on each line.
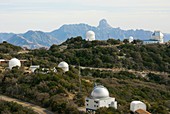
x,y
11,108
6,48
112,54
60,92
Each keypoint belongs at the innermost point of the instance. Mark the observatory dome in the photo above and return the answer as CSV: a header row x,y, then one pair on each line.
x,y
14,62
131,39
63,65
90,36
135,105
100,92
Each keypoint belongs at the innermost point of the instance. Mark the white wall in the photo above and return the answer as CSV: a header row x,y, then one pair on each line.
x,y
94,104
137,105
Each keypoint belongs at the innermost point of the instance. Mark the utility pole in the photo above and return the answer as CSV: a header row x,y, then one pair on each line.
x,y
108,35
79,80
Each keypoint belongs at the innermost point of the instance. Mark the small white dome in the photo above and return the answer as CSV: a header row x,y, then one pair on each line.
x,y
14,62
131,39
135,105
90,36
100,92
63,65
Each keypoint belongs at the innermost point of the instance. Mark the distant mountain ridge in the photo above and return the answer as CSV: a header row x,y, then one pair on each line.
x,y
32,40
37,39
5,36
103,31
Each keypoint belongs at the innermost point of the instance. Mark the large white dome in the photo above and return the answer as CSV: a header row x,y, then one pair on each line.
x,y
63,65
90,36
14,62
100,92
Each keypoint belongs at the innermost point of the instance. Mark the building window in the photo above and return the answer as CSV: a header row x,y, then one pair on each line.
x,y
87,104
87,100
94,105
96,101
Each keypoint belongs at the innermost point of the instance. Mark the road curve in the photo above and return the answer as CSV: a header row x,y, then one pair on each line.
x,y
36,108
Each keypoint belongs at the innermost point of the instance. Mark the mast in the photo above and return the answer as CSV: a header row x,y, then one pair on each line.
x,y
79,80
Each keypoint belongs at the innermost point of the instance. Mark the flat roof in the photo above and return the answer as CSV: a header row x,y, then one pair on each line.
x,y
151,40
141,111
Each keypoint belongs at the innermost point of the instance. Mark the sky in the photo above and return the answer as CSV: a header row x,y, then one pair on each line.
x,y
19,16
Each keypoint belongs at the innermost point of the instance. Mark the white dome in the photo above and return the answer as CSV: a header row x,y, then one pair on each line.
x,y
100,92
63,65
90,36
131,39
14,62
135,105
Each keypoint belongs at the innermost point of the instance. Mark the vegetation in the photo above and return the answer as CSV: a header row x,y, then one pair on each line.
x,y
9,48
126,87
106,54
14,108
50,90
60,92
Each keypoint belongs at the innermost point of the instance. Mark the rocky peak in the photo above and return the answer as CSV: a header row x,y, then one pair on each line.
x,y
103,24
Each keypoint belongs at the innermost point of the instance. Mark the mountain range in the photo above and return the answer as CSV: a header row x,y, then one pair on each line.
x,y
37,39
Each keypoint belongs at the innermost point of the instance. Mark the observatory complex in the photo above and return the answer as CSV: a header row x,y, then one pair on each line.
x,y
99,98
90,36
157,37
64,66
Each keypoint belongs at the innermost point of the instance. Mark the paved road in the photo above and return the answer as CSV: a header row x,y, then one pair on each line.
x,y
36,108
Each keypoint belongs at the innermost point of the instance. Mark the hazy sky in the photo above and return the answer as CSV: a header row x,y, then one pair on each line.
x,y
46,15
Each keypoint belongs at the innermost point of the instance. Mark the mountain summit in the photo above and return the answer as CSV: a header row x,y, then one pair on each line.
x,y
37,39
103,31
103,24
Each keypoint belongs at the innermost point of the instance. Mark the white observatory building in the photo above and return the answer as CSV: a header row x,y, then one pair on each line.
x,y
64,66
90,36
131,39
99,98
137,105
14,62
157,35
34,67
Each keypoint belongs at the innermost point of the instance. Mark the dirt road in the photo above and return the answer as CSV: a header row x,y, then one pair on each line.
x,y
36,108
123,69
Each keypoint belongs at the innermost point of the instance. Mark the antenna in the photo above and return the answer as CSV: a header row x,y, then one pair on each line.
x,y
95,84
79,79
108,35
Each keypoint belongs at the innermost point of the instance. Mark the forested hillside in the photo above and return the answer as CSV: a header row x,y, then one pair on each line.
x,y
112,53
14,108
61,92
